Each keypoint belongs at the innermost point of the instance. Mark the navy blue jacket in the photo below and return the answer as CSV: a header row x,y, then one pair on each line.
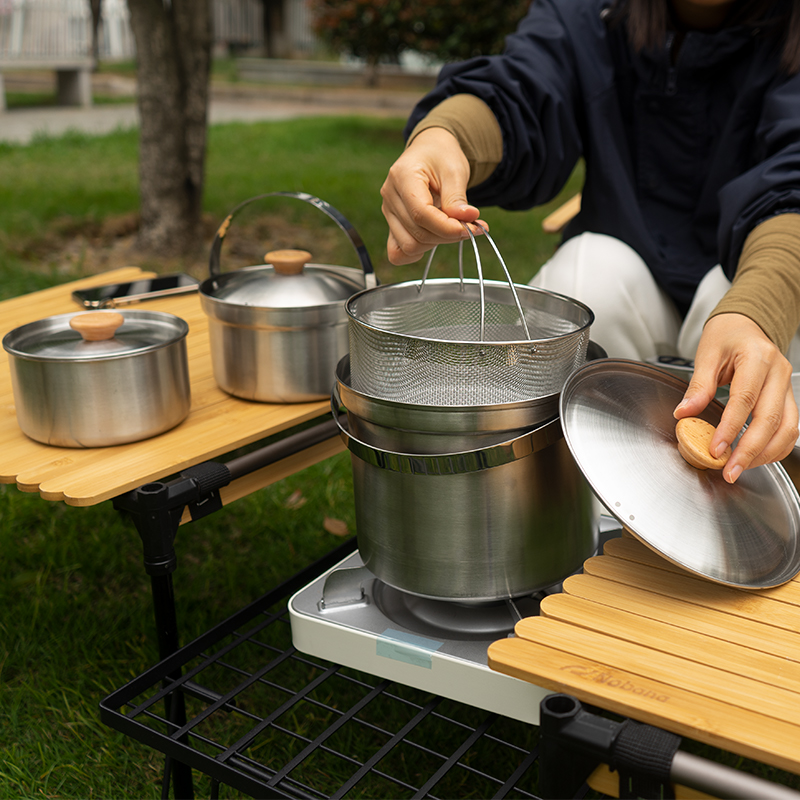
x,y
682,161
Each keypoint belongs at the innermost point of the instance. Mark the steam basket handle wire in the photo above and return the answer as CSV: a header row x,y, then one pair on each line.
x,y
508,278
480,277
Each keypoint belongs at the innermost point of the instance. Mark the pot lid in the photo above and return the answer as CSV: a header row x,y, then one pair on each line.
x,y
287,280
87,336
618,424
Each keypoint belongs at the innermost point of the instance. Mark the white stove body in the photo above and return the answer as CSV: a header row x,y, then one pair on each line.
x,y
349,627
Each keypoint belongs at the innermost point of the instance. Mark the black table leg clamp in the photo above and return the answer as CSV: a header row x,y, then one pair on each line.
x,y
156,510
643,757
209,477
574,742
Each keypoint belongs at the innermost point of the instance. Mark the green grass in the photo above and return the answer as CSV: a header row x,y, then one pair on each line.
x,y
75,611
16,100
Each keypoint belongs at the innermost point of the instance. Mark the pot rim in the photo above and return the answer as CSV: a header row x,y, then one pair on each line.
x,y
443,419
518,446
489,286
53,324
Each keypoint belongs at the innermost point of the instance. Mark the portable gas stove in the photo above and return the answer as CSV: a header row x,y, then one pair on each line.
x,y
350,617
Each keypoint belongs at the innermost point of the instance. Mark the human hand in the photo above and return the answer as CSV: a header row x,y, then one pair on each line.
x,y
425,197
733,349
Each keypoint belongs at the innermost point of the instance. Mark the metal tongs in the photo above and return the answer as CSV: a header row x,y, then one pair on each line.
x,y
480,276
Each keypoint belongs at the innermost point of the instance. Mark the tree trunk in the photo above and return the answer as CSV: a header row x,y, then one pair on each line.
x,y
96,9
173,47
273,28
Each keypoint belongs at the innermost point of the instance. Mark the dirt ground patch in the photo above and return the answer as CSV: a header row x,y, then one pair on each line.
x,y
72,246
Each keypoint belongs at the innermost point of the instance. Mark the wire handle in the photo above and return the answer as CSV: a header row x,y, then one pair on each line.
x,y
480,276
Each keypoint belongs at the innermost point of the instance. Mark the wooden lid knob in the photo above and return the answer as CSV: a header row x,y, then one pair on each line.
x,y
694,438
97,325
288,262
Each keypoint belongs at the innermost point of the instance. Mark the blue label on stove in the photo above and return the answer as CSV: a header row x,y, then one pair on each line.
x,y
406,647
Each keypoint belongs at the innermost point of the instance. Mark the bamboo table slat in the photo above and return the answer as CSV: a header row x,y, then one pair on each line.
x,y
217,423
638,636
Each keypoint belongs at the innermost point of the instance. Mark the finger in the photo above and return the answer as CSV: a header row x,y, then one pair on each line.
x,y
699,393
771,434
454,204
750,386
785,439
416,231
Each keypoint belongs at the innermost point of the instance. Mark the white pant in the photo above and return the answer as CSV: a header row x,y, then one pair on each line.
x,y
634,318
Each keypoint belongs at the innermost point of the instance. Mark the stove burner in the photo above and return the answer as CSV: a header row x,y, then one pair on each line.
x,y
444,619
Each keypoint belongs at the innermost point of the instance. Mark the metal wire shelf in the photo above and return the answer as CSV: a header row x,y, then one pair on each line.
x,y
266,720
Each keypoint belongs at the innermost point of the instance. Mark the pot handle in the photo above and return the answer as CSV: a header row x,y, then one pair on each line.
x,y
459,463
370,280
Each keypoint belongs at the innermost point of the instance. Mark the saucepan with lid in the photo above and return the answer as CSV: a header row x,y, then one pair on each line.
x,y
278,330
93,379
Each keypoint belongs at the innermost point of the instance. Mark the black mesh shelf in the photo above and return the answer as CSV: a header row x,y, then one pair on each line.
x,y
271,722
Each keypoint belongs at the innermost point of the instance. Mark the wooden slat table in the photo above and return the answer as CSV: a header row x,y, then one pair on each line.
x,y
217,423
640,637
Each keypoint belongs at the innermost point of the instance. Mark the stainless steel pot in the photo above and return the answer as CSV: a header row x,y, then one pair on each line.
x,y
485,521
278,330
442,420
99,378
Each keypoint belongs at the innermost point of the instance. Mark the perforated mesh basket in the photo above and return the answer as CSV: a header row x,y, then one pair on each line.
x,y
416,344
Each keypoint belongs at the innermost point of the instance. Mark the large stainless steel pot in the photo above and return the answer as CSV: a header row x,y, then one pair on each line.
x,y
99,378
278,330
482,521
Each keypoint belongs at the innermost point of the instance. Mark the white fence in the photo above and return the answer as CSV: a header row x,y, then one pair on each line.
x,y
238,22
300,39
42,30
59,28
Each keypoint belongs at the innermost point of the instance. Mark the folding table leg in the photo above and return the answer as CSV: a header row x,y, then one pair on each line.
x,y
156,511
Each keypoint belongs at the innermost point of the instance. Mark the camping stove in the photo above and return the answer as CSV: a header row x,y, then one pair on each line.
x,y
352,618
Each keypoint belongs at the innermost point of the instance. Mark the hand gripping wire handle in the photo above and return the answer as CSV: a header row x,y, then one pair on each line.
x,y
480,276
370,280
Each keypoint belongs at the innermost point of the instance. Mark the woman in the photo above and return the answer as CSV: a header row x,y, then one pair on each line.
x,y
687,115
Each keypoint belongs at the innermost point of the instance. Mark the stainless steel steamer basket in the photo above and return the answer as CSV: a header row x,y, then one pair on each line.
x,y
442,419
418,346
449,419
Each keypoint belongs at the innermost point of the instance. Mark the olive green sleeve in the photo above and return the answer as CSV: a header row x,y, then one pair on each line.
x,y
766,287
472,122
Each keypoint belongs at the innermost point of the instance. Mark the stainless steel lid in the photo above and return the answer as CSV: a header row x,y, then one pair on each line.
x,y
618,424
131,332
286,281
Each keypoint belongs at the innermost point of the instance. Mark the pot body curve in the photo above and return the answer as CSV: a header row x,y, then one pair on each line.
x,y
102,402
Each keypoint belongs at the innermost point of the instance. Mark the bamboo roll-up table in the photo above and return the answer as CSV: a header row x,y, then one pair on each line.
x,y
638,636
217,423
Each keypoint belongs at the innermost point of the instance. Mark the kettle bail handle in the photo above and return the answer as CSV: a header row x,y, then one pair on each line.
x,y
370,279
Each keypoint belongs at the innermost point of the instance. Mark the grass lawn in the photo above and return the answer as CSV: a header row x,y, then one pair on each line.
x,y
75,611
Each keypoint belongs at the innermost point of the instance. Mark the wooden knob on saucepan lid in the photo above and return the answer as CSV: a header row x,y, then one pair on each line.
x,y
694,437
288,262
97,325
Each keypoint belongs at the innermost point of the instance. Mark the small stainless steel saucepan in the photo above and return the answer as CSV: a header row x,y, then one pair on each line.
x,y
99,378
